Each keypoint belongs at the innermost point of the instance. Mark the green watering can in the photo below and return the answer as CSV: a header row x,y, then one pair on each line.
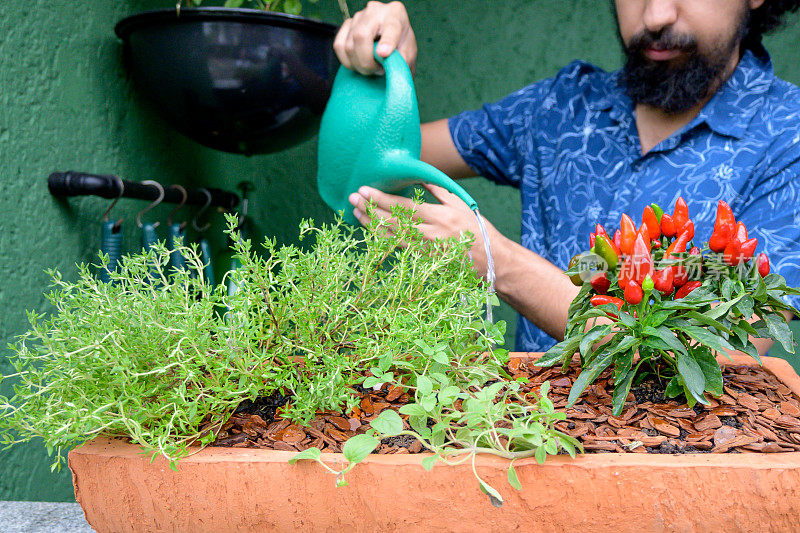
x,y
370,135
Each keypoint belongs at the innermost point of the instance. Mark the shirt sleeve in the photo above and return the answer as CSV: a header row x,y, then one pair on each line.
x,y
771,212
492,140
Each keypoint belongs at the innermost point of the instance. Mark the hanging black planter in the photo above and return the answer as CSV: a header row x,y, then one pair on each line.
x,y
237,80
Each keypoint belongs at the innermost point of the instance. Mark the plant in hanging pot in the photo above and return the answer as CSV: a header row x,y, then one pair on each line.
x,y
234,79
163,360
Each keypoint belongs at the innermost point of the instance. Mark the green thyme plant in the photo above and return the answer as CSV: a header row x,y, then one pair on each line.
x,y
164,359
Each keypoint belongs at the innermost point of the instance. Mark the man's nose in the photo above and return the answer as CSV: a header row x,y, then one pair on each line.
x,y
660,14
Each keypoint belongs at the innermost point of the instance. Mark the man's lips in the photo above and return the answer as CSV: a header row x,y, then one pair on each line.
x,y
659,54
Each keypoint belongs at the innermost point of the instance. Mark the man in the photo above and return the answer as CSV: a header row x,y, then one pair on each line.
x,y
696,112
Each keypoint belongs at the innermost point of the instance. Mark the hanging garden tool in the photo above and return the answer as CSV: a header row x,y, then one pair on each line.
x,y
149,235
370,135
205,247
111,239
176,235
240,233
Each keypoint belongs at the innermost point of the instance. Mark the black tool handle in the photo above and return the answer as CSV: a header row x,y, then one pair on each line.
x,y
73,183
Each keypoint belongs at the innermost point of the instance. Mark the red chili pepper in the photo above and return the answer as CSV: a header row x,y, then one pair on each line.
x,y
592,239
600,230
628,236
749,248
662,281
617,240
686,289
633,293
641,259
651,220
762,263
655,244
601,283
599,300
724,228
733,253
697,263
678,246
645,234
668,226
688,228
680,277
741,231
681,214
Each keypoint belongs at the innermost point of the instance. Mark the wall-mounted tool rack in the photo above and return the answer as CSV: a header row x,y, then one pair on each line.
x,y
71,183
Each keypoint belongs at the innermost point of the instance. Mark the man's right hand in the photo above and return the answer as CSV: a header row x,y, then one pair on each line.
x,y
387,24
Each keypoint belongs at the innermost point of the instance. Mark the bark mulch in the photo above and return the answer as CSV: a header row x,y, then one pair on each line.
x,y
757,413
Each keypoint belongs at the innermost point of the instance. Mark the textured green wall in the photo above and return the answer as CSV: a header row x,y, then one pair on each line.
x,y
65,103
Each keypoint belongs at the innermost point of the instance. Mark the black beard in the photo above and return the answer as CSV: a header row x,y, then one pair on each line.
x,y
673,88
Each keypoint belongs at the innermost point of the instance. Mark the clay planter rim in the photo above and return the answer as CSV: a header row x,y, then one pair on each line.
x,y
245,489
782,369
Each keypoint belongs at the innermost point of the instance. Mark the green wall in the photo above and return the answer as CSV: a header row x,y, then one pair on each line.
x,y
66,103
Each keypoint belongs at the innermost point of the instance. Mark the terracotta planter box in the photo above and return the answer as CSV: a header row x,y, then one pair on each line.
x,y
236,489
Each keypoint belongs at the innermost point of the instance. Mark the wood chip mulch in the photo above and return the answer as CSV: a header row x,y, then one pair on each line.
x,y
757,413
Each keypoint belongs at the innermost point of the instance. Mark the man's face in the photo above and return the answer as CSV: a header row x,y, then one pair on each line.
x,y
678,51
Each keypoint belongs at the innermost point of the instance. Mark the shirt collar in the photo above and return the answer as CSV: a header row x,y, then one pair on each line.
x,y
729,111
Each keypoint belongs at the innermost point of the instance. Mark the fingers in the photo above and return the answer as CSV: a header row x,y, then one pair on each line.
x,y
441,194
386,23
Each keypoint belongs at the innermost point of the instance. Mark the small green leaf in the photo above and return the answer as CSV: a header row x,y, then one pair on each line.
x,y
429,461
703,336
592,336
388,423
711,370
692,374
674,387
413,409
779,330
441,358
494,496
588,375
513,480
424,385
540,454
310,454
722,309
621,389
358,448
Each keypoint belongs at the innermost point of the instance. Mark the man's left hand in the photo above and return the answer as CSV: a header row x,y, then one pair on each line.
x,y
450,218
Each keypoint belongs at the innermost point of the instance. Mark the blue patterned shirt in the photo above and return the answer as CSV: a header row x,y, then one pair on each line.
x,y
571,146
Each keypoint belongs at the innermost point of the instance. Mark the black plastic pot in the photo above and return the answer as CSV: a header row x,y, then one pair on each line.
x,y
237,80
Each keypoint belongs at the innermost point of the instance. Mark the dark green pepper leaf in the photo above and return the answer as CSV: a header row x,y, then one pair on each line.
x,y
711,370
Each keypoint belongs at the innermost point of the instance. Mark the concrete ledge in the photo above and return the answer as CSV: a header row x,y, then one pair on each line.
x,y
42,517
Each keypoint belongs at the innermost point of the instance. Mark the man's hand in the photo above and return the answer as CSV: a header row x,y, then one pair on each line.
x,y
386,23
533,286
450,218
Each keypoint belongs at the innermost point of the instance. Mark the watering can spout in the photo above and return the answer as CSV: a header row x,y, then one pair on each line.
x,y
370,135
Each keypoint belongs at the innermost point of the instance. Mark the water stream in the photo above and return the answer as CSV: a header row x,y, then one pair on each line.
x,y
489,264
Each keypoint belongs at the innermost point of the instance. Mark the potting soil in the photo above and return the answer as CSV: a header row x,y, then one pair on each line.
x,y
757,413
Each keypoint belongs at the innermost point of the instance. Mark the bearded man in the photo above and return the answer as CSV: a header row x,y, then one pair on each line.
x,y
695,112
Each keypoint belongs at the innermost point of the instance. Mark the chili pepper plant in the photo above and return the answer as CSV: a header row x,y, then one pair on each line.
x,y
164,359
654,301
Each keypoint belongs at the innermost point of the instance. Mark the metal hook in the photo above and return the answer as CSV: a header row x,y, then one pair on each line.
x,y
245,187
202,210
184,195
121,192
153,204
